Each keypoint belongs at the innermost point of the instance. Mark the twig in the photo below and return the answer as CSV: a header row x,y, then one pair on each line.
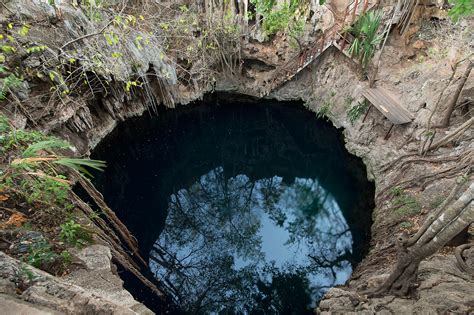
x,y
3,4
87,35
11,210
94,34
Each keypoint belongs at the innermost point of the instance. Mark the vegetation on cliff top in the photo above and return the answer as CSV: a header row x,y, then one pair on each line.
x,y
35,195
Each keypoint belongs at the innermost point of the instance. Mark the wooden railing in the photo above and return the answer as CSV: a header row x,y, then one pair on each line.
x,y
308,54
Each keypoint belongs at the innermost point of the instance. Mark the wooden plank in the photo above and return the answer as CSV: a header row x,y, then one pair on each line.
x,y
388,105
383,98
406,113
396,107
386,108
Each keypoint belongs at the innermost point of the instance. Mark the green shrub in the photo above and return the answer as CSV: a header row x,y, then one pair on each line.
x,y
8,83
281,19
39,254
10,139
23,277
325,110
357,110
366,38
4,125
75,234
66,258
460,9
25,273
406,224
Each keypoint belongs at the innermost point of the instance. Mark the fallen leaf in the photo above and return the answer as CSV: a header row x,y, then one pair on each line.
x,y
16,219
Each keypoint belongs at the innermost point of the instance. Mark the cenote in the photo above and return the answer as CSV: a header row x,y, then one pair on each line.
x,y
240,206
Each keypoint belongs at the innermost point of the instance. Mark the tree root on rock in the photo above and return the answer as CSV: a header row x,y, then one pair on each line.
x,y
464,165
461,262
441,226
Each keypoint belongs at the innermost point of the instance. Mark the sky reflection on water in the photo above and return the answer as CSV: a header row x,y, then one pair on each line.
x,y
233,245
249,207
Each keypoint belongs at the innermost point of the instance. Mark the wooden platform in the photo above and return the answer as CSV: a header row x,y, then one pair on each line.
x,y
388,105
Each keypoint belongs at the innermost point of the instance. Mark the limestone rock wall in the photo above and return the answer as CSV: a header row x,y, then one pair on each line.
x,y
93,290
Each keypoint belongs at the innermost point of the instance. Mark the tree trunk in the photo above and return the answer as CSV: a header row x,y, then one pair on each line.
x,y
451,136
436,232
452,104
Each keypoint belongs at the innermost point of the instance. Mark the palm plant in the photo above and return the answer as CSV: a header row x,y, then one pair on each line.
x,y
366,38
33,156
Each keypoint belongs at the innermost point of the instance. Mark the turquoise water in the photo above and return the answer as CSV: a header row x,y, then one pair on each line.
x,y
241,207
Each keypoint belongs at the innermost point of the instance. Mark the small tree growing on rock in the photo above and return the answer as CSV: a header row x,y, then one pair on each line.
x,y
452,103
447,221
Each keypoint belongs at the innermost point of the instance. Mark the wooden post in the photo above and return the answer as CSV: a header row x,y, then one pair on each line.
x,y
345,15
344,42
366,4
365,116
387,135
354,11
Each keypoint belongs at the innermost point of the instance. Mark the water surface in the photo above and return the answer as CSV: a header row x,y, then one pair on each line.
x,y
241,207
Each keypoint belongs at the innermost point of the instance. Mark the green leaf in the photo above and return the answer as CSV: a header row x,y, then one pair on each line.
x,y
7,49
461,9
24,30
44,145
80,164
36,49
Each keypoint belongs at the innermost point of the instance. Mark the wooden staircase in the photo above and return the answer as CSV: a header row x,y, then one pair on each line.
x,y
331,37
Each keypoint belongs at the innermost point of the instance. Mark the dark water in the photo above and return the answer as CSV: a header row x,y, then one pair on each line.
x,y
241,207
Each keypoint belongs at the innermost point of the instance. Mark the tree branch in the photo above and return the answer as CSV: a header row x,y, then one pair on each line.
x,y
97,33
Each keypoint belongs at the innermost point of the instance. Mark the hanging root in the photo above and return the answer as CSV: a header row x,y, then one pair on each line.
x,y
118,226
119,254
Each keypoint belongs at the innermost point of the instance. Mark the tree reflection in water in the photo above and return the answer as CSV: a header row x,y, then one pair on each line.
x,y
231,245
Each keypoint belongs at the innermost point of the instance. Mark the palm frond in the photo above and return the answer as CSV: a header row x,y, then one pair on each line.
x,y
366,39
44,145
81,164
